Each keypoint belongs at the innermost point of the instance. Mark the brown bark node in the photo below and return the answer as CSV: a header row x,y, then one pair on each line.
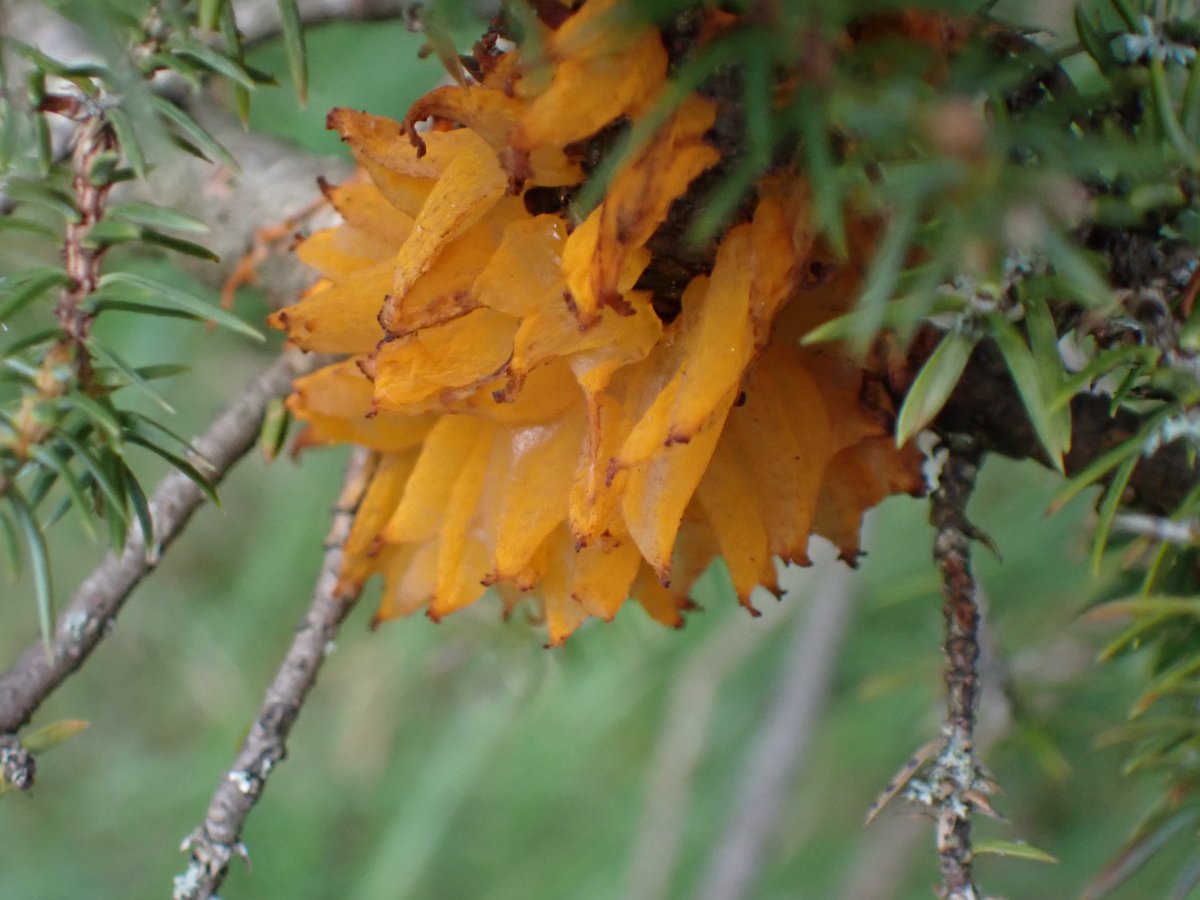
x,y
985,404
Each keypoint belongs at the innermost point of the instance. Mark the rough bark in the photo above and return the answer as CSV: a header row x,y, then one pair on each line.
x,y
954,777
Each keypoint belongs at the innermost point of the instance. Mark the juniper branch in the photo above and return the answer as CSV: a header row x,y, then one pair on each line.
x,y
954,778
218,838
93,138
945,779
67,365
91,612
277,179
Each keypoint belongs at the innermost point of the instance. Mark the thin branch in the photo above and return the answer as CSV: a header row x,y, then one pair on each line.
x,y
683,737
781,744
91,138
32,23
278,181
90,615
1185,532
945,778
258,20
954,779
218,838
890,847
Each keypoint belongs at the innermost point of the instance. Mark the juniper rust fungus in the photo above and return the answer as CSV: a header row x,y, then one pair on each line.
x,y
582,409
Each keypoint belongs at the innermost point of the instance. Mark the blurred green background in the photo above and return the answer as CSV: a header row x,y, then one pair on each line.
x,y
462,760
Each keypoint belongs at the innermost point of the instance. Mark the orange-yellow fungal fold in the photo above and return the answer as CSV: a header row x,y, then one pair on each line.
x,y
602,253
597,74
551,425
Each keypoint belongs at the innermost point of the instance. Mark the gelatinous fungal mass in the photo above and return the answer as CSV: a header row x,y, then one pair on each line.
x,y
581,410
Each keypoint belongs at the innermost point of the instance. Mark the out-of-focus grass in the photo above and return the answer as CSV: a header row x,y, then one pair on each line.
x,y
463,761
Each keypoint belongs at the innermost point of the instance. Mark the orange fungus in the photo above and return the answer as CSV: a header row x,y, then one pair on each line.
x,y
562,412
